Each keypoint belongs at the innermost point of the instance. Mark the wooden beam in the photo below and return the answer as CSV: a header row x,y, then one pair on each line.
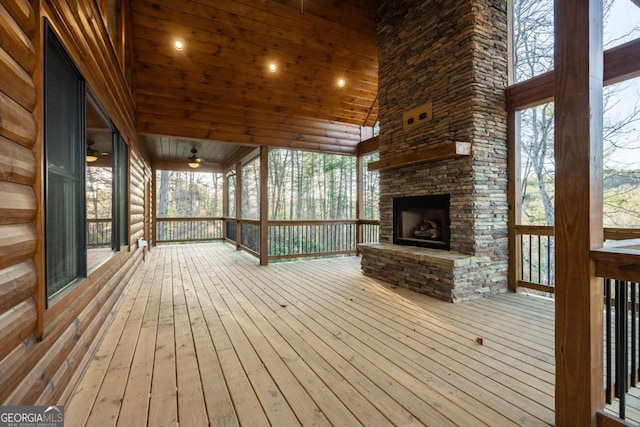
x,y
578,78
264,205
184,167
359,197
238,205
514,198
369,145
444,150
620,63
609,420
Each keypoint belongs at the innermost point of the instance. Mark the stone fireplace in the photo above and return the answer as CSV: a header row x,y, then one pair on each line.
x,y
452,55
422,221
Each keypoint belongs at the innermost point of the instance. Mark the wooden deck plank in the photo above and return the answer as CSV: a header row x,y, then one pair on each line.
x,y
163,405
83,397
218,401
457,382
270,395
295,395
134,404
417,333
108,401
314,381
191,405
416,395
247,407
222,341
407,319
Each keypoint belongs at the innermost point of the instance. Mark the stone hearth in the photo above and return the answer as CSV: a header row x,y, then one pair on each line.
x,y
454,55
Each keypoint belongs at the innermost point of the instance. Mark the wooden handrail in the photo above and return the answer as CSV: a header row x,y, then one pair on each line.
x,y
312,222
610,233
98,220
195,218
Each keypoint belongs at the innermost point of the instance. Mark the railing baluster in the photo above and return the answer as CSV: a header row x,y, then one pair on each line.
x,y
621,345
608,350
632,381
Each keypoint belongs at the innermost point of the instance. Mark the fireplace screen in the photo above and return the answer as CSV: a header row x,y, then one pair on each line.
x,y
422,221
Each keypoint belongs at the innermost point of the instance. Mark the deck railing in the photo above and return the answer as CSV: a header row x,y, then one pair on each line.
x,y
173,230
99,232
287,239
250,235
292,239
622,341
536,254
535,269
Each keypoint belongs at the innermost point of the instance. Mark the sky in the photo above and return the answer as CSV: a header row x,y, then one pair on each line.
x,y
623,25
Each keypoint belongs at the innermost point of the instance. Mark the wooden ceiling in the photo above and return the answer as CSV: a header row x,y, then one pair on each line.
x,y
219,89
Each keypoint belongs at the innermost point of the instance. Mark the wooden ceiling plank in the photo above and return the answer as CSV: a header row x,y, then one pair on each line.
x,y
292,123
216,129
229,112
165,128
194,15
347,115
207,69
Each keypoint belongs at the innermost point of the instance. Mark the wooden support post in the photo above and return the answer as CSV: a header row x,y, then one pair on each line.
x,y
238,204
154,196
359,198
225,204
578,213
514,198
264,205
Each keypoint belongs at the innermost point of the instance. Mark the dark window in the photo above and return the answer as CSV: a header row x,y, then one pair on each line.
x,y
86,205
121,193
64,153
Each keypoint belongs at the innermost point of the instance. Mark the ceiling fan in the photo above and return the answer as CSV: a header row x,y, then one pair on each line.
x,y
194,160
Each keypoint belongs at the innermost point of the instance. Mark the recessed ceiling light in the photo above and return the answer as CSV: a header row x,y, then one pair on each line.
x,y
273,67
178,45
341,82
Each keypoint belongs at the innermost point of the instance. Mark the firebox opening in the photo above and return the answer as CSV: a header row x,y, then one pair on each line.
x,y
422,221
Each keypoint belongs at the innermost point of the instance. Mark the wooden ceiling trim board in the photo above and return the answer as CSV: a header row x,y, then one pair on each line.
x,y
347,115
216,129
217,121
184,167
164,128
187,109
149,104
240,154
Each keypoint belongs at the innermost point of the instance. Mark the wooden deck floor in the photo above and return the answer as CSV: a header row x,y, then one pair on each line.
x,y
206,336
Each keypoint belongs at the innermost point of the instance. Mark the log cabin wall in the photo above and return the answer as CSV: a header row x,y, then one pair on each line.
x,y
43,350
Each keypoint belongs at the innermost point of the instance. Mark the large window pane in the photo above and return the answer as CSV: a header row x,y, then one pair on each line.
x,y
532,38
99,187
370,188
64,151
622,154
537,167
121,196
311,186
251,189
621,22
231,194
